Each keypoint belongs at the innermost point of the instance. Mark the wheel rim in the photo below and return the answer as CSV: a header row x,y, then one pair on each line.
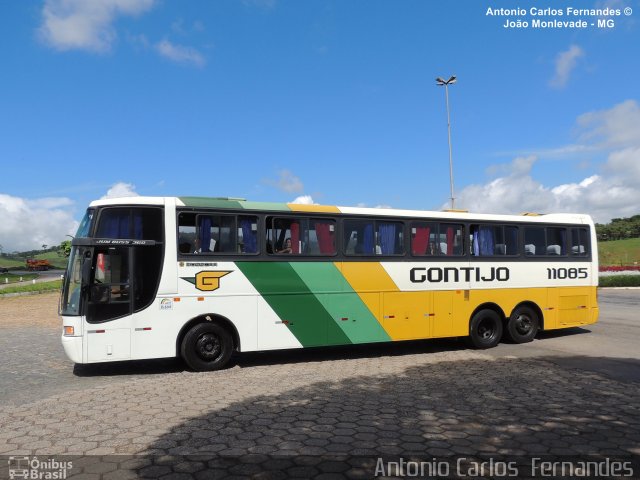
x,y
523,324
208,346
486,329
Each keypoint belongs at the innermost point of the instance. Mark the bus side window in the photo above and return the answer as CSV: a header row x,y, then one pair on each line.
x,y
534,241
186,232
451,243
556,241
247,234
358,237
579,242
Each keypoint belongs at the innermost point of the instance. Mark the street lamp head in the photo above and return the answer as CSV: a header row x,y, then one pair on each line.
x,y
440,81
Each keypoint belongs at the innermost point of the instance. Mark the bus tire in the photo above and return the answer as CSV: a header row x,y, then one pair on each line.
x,y
523,325
206,347
485,329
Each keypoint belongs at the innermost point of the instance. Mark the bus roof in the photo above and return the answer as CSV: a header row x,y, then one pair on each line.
x,y
242,204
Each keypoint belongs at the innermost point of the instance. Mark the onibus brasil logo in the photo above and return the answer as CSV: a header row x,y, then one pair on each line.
x,y
34,468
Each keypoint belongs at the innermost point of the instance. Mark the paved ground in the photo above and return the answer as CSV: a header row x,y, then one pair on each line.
x,y
329,411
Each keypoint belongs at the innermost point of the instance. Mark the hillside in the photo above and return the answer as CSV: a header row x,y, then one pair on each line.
x,y
18,262
620,252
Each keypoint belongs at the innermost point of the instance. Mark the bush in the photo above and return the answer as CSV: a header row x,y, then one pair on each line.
x,y
620,281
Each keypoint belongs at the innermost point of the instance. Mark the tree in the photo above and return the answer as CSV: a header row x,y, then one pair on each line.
x,y
64,249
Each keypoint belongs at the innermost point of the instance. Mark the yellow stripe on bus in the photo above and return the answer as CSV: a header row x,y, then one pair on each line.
x,y
298,207
374,286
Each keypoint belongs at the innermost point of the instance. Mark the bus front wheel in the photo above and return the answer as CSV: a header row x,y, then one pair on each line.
x,y
523,325
485,329
206,347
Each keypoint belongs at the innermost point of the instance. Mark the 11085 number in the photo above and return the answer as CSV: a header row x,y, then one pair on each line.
x,y
567,273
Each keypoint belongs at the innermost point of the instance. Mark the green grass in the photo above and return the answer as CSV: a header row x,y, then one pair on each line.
x,y
620,252
34,288
620,281
11,263
16,278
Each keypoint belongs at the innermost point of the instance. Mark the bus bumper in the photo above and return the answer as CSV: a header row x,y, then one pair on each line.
x,y
73,348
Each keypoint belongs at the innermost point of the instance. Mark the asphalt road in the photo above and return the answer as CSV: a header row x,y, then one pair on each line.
x,y
43,276
611,347
33,365
302,414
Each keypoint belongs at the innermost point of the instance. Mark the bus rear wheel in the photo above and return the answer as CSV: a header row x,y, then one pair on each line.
x,y
206,347
485,329
523,325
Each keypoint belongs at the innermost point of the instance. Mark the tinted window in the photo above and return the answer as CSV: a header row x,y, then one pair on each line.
x,y
212,234
493,240
131,223
373,237
541,241
436,239
579,242
85,225
301,236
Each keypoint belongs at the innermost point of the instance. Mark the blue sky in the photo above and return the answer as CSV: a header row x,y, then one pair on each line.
x,y
330,102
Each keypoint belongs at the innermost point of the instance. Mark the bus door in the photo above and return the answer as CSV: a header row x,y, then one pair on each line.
x,y
124,282
109,298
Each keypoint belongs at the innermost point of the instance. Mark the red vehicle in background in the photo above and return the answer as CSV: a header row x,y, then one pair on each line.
x,y
34,264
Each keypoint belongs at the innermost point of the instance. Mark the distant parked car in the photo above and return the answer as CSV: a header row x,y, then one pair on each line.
x,y
4,269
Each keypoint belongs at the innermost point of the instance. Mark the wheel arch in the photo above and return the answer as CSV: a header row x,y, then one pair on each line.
x,y
533,306
488,306
213,318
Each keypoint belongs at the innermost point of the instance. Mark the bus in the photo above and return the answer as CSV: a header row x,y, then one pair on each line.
x,y
201,278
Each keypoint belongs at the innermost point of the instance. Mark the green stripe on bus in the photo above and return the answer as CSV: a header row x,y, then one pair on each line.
x,y
206,202
286,293
343,304
282,207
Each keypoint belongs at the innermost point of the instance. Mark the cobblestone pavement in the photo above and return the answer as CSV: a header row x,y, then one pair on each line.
x,y
321,414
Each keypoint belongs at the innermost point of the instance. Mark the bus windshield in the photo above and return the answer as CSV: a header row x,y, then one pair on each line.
x,y
85,225
70,304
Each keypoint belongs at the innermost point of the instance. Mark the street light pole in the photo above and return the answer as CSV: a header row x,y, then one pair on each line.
x,y
446,84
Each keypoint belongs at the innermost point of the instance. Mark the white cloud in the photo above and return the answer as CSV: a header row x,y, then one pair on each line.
x,y
611,193
27,224
85,24
179,27
121,189
566,62
180,53
616,127
287,182
303,200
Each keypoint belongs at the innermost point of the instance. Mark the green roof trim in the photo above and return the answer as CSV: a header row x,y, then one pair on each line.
x,y
210,202
283,207
236,203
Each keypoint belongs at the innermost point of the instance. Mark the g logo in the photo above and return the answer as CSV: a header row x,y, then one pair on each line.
x,y
209,281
